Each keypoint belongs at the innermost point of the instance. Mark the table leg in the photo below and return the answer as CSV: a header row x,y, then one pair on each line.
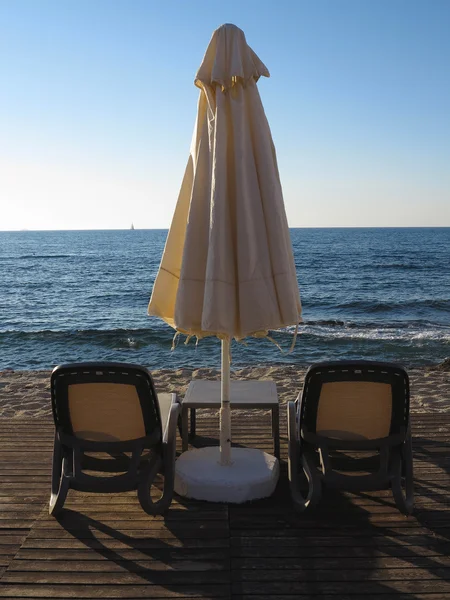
x,y
184,427
276,430
193,422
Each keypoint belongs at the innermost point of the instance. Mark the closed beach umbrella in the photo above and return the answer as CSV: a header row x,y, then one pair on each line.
x,y
228,269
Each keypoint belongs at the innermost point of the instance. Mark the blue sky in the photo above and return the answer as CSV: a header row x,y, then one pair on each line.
x,y
97,108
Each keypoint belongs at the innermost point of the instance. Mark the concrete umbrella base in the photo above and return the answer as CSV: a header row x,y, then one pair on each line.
x,y
253,474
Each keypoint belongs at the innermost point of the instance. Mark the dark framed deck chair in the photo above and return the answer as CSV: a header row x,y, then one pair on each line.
x,y
112,409
347,409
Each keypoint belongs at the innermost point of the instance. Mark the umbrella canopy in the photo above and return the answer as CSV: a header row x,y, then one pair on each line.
x,y
228,268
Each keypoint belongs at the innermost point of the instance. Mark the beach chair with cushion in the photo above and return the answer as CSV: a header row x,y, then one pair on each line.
x,y
350,429
112,409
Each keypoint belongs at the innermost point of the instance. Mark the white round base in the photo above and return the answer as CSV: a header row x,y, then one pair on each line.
x,y
253,474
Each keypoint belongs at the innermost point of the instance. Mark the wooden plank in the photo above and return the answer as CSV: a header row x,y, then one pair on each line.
x,y
299,575
164,553
112,544
130,592
378,596
340,562
104,546
131,535
25,487
19,515
23,499
67,518
398,551
358,588
17,524
329,538
143,577
349,521
177,512
183,564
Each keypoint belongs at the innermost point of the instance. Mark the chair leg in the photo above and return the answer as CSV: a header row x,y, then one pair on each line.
x,y
166,464
403,477
301,502
60,481
180,425
144,489
293,442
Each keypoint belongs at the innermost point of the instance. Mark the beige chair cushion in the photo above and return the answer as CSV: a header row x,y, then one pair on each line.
x,y
108,412
354,410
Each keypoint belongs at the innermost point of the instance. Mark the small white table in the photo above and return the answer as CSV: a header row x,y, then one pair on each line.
x,y
243,394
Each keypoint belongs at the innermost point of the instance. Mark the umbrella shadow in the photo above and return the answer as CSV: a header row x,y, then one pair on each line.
x,y
202,441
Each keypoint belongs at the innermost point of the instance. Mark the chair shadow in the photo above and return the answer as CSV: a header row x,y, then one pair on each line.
x,y
269,549
302,539
344,539
437,517
192,565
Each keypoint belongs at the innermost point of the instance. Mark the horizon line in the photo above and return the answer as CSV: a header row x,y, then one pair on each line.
x,y
290,227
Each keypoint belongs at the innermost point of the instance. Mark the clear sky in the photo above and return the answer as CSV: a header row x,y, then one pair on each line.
x,y
97,108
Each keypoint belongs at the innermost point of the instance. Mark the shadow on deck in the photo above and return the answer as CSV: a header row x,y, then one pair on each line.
x,y
105,546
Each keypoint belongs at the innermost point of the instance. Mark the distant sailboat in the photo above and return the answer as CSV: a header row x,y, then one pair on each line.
x,y
132,226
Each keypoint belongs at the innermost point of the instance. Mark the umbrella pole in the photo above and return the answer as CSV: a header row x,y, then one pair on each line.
x,y
225,411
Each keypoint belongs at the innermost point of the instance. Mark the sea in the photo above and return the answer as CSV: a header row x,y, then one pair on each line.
x,y
380,294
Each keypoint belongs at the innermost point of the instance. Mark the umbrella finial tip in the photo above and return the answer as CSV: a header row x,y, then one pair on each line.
x,y
230,26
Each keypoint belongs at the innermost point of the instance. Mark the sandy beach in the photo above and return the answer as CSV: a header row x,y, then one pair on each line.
x,y
26,394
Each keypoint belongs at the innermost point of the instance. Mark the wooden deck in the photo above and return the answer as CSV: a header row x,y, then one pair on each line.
x,y
104,546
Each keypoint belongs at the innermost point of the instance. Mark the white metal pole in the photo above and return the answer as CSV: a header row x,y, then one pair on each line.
x,y
225,411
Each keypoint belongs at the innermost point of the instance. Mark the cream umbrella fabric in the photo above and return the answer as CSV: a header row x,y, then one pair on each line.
x,y
228,268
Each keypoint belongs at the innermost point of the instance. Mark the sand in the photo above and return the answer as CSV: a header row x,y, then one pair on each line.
x,y
26,394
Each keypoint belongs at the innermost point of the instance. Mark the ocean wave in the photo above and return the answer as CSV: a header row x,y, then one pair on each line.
x,y
375,306
37,256
110,338
331,328
416,324
409,333
45,348
394,265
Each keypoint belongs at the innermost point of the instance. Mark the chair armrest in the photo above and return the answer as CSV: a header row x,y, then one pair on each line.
x,y
170,431
166,464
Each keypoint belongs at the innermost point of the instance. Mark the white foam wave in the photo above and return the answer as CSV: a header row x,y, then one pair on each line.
x,y
398,334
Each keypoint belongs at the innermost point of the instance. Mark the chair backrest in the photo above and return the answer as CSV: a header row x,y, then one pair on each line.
x,y
105,402
355,400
